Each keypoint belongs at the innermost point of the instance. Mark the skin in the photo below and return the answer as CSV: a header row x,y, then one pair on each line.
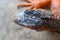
x,y
36,4
55,6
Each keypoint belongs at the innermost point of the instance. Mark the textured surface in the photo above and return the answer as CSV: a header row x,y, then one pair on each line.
x,y
11,31
28,18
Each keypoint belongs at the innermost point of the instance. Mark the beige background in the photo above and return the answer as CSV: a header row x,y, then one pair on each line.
x,y
11,31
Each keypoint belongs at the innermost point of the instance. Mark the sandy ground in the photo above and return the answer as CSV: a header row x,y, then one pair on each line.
x,y
11,31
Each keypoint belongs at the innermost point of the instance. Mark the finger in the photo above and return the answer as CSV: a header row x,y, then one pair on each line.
x,y
24,5
31,7
55,4
29,0
34,8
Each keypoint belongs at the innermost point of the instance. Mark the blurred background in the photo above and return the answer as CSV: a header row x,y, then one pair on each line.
x,y
11,31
